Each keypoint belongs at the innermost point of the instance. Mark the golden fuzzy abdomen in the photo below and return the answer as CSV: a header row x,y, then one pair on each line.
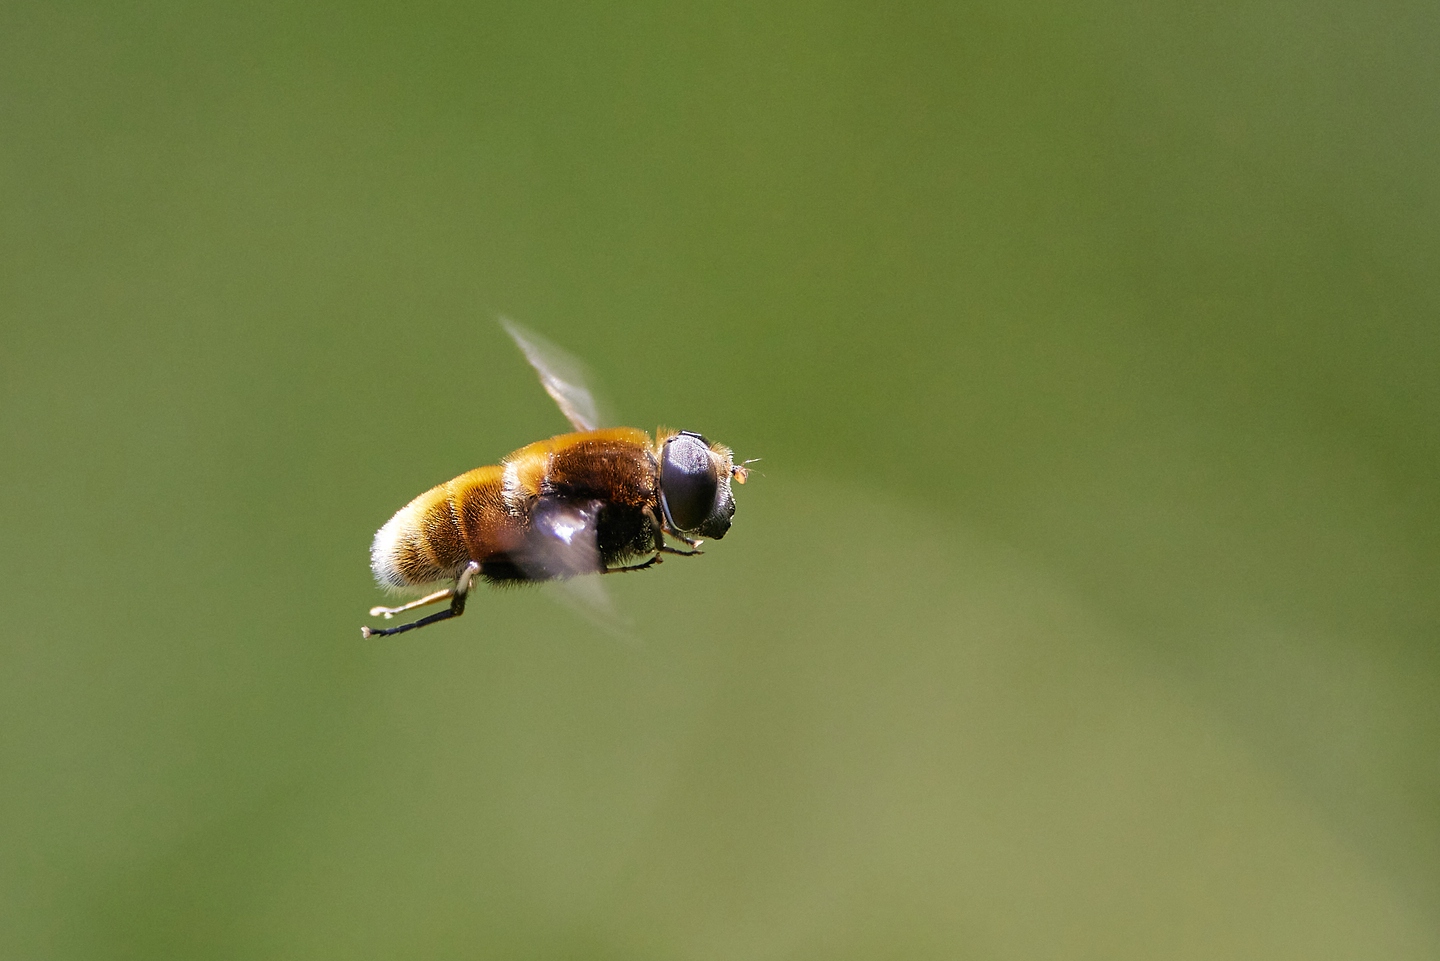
x,y
432,538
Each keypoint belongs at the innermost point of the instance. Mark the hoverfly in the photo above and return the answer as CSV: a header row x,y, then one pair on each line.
x,y
588,502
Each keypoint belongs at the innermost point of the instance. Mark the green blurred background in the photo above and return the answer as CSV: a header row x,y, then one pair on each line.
x,y
1088,604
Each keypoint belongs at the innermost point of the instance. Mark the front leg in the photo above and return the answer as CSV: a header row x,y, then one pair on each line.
x,y
661,528
688,542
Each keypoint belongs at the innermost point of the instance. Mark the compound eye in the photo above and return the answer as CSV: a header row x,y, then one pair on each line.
x,y
687,481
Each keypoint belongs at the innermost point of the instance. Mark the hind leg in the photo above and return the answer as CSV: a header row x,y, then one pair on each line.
x,y
457,595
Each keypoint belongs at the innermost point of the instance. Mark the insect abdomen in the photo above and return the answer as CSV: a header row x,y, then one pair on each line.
x,y
424,543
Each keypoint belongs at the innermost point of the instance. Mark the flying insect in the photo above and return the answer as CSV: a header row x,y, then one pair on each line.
x,y
595,501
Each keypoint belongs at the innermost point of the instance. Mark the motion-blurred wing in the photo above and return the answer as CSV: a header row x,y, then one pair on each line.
x,y
562,375
587,597
563,544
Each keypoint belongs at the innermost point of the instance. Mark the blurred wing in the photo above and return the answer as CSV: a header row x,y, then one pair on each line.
x,y
562,375
588,597
563,545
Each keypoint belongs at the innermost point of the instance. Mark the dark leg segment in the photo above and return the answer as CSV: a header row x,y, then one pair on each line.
x,y
456,608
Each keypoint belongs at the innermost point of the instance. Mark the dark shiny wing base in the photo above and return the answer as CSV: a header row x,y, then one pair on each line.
x,y
563,544
564,539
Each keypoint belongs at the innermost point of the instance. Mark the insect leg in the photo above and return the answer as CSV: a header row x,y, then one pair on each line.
x,y
389,612
633,567
458,593
665,548
688,542
661,528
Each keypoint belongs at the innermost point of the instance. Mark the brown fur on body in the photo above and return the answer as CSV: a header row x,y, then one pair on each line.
x,y
485,514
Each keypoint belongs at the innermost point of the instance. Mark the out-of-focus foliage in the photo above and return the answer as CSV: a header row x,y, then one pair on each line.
x,y
1087,606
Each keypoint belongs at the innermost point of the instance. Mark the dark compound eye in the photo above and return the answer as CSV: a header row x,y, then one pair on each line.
x,y
687,480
